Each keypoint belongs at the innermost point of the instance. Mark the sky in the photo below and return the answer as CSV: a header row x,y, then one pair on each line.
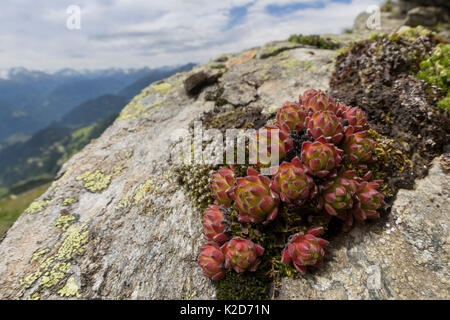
x,y
154,33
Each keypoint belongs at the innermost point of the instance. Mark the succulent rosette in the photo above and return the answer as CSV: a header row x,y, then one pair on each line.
x,y
215,223
358,148
241,254
320,157
337,195
316,100
261,149
333,138
356,118
305,250
324,124
369,200
292,182
211,260
222,183
254,199
293,115
341,109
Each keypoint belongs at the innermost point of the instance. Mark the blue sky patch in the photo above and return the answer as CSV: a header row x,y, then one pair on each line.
x,y
237,16
342,1
281,10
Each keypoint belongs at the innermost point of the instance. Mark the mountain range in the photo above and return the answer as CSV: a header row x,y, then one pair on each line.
x,y
47,117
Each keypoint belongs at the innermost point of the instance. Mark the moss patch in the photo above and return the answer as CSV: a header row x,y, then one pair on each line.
x,y
378,75
245,286
435,69
315,40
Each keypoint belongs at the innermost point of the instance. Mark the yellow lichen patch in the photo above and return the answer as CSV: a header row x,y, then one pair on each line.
x,y
63,222
131,107
39,254
189,295
295,63
53,270
125,202
37,206
137,110
70,289
95,181
68,201
142,190
162,88
34,296
117,170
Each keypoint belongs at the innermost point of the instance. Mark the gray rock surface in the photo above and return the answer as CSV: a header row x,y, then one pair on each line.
x,y
405,255
426,16
406,5
115,224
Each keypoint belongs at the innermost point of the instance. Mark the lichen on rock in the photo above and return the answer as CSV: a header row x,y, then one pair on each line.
x,y
37,206
54,268
95,181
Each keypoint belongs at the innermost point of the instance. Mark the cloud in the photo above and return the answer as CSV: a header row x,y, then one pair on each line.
x,y
135,33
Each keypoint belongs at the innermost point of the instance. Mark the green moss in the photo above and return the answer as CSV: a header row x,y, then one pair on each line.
x,y
95,181
435,70
244,286
411,34
444,104
387,6
314,40
196,180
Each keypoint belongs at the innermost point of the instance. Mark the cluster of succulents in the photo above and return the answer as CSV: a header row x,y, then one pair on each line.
x,y
329,172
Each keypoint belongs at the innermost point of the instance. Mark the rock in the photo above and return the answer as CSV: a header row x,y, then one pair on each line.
x,y
426,16
404,256
198,79
274,48
129,230
244,57
195,81
406,5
